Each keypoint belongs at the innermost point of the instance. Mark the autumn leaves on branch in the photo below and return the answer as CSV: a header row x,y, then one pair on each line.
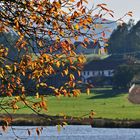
x,y
46,33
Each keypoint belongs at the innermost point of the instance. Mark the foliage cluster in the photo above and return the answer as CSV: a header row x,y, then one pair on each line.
x,y
47,29
125,39
125,75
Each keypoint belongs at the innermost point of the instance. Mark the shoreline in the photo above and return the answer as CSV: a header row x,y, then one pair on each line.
x,y
45,120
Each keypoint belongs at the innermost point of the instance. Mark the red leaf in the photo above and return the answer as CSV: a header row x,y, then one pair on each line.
x,y
37,131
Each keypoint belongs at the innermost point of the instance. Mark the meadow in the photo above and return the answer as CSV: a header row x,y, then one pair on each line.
x,y
105,102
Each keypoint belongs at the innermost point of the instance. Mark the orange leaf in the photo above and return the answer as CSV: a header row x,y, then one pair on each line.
x,y
86,40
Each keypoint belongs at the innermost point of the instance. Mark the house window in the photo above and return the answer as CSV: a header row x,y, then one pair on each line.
x,y
88,73
110,73
102,73
92,72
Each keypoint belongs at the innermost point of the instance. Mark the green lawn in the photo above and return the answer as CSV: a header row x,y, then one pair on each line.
x,y
90,57
106,103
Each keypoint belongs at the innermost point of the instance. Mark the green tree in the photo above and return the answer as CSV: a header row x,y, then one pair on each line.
x,y
133,38
125,39
117,40
124,74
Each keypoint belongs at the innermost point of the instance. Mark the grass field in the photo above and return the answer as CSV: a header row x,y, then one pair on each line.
x,y
91,57
106,103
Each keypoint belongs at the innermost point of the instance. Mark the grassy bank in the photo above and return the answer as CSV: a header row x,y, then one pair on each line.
x,y
35,120
105,102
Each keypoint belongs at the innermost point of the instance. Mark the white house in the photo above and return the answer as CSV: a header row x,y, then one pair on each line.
x,y
103,68
96,73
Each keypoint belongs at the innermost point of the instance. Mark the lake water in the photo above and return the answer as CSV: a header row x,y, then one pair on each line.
x,y
73,133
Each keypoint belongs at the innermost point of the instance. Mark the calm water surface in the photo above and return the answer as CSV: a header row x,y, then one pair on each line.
x,y
73,133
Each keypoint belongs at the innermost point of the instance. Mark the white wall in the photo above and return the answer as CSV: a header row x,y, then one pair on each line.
x,y
88,74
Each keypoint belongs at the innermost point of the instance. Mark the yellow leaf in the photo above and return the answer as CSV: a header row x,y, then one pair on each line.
x,y
37,86
79,73
66,71
99,51
76,92
76,37
72,77
43,84
23,73
80,59
61,33
64,123
58,64
52,87
17,97
76,26
106,45
57,38
37,95
15,68
40,43
92,113
8,67
58,128
1,76
17,24
88,91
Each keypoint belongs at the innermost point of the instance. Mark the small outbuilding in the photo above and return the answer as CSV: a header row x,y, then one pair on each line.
x,y
134,94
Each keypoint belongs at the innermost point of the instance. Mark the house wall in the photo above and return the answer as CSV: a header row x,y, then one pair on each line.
x,y
80,49
108,73
104,73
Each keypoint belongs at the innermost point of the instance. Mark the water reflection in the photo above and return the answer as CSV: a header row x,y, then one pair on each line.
x,y
73,133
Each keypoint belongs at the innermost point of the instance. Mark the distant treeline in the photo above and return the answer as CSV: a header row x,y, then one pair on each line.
x,y
125,38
